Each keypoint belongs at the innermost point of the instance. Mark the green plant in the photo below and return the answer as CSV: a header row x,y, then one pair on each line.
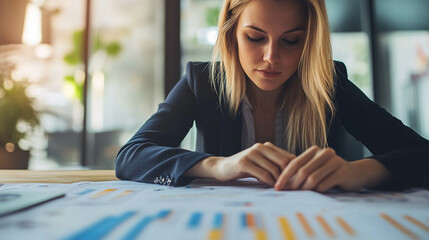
x,y
17,114
75,58
212,14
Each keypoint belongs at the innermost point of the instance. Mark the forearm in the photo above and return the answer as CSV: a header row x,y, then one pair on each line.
x,y
373,172
204,168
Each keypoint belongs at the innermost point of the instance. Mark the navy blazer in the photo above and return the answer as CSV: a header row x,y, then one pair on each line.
x,y
153,155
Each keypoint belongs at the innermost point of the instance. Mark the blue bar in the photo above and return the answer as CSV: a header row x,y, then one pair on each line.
x,y
86,191
195,220
163,214
106,228
140,226
102,227
217,221
82,234
243,220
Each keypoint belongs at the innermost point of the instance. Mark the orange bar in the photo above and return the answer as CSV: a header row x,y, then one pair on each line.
x,y
345,226
286,229
417,223
399,226
305,224
250,219
123,194
325,226
100,194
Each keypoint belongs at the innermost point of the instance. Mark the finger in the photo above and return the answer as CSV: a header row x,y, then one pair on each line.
x,y
287,187
315,178
319,159
279,155
293,166
329,182
259,173
257,155
266,165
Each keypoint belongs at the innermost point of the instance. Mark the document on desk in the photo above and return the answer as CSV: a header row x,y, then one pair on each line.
x,y
208,209
14,201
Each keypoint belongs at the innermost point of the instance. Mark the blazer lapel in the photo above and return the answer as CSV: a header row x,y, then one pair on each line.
x,y
230,133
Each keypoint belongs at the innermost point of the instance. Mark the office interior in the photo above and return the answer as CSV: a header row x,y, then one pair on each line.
x,y
96,70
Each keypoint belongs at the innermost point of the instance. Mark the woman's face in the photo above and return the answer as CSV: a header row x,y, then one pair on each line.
x,y
270,37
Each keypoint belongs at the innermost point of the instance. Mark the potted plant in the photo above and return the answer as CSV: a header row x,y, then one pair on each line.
x,y
18,118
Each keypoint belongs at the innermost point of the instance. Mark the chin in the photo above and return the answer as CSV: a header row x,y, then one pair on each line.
x,y
268,85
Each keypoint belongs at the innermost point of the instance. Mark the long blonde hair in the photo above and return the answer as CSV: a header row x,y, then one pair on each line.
x,y
309,106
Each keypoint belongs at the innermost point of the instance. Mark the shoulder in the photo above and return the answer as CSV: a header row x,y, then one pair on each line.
x,y
341,81
347,95
340,70
198,77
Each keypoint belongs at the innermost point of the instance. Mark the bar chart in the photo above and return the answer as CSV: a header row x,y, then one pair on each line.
x,y
250,225
129,210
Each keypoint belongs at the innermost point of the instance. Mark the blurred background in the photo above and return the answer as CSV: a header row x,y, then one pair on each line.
x,y
79,77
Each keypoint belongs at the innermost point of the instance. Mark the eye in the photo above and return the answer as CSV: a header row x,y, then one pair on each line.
x,y
291,42
254,39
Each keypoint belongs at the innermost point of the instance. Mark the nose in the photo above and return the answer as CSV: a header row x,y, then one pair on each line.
x,y
271,54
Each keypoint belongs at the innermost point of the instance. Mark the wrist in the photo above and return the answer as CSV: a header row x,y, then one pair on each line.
x,y
204,168
373,172
210,165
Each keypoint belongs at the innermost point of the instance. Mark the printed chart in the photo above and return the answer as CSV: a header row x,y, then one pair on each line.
x,y
206,210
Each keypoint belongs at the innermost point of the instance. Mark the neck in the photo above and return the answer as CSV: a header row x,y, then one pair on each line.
x,y
267,100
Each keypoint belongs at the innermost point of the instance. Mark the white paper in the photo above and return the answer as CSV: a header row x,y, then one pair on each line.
x,y
115,208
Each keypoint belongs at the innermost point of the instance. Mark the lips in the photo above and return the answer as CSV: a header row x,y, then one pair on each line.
x,y
268,72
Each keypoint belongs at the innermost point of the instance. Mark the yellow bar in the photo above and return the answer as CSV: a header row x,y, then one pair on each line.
x,y
399,226
325,226
123,194
215,234
286,229
417,223
305,224
345,226
260,234
103,193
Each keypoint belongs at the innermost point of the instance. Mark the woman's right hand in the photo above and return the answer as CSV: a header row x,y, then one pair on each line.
x,y
265,162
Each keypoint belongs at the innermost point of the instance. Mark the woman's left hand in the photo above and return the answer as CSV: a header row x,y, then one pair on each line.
x,y
320,169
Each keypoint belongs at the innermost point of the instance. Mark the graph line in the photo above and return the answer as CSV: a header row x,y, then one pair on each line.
x,y
398,226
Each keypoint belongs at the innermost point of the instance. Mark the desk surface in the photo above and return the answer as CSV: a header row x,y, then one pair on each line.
x,y
95,207
56,176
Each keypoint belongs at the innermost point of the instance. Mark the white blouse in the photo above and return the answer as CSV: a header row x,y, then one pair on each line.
x,y
248,126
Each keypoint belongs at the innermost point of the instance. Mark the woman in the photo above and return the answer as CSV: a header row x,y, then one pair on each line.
x,y
271,109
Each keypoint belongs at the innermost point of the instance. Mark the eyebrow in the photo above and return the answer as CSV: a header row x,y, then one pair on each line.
x,y
288,31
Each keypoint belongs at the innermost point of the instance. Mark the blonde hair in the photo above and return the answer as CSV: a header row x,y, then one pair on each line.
x,y
309,106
